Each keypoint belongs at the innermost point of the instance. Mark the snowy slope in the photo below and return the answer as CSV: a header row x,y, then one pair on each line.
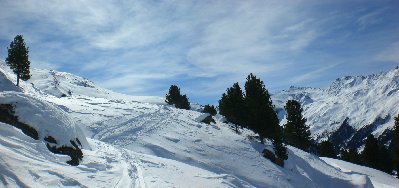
x,y
53,83
378,178
141,142
46,119
369,103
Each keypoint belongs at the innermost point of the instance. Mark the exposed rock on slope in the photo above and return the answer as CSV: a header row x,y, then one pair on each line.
x,y
350,109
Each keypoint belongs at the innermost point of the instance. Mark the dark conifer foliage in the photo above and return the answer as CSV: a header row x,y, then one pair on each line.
x,y
385,160
183,103
351,155
261,117
173,97
232,105
18,58
296,131
326,149
370,154
279,147
210,109
395,143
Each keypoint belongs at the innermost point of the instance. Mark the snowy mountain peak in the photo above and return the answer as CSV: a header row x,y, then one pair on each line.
x,y
141,142
373,81
366,104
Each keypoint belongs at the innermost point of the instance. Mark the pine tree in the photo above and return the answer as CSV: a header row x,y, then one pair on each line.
x,y
183,103
351,155
173,95
395,142
18,59
296,131
370,154
210,109
261,117
232,105
385,161
279,149
326,149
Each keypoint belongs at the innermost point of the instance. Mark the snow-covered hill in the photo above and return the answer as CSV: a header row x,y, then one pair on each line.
x,y
359,105
141,142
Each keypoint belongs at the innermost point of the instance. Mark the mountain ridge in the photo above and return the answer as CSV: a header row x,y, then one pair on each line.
x,y
141,142
362,102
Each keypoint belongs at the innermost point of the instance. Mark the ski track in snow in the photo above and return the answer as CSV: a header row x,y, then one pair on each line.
x,y
141,142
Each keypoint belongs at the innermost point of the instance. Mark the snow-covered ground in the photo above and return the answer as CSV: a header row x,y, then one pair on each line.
x,y
141,142
378,178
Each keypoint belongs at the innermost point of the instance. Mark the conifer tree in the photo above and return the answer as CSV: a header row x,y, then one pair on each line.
x,y
173,97
261,117
279,148
232,105
183,103
385,160
395,142
326,149
18,59
351,155
370,154
296,131
210,109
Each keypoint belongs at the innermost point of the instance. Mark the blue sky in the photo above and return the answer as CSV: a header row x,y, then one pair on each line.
x,y
142,47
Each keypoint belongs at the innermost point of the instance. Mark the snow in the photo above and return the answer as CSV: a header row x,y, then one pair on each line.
x,y
378,178
46,119
142,142
362,99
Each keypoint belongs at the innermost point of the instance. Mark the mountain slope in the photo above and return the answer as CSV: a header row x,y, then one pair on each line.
x,y
365,104
141,142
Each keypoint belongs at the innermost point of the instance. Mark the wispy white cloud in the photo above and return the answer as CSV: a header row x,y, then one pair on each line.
x,y
370,18
312,74
142,46
390,53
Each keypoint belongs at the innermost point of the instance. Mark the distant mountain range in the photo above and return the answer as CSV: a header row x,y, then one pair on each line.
x,y
139,141
350,109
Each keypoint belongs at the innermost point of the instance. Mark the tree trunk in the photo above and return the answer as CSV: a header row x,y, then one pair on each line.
x,y
17,79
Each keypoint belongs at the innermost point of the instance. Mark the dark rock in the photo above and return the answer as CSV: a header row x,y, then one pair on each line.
x,y
344,132
76,154
50,139
7,116
359,137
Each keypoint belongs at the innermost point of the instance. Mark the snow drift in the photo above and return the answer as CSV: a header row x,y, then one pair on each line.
x,y
141,142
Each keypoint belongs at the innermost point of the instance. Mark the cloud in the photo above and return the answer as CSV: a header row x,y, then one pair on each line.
x,y
390,53
140,47
313,74
370,18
